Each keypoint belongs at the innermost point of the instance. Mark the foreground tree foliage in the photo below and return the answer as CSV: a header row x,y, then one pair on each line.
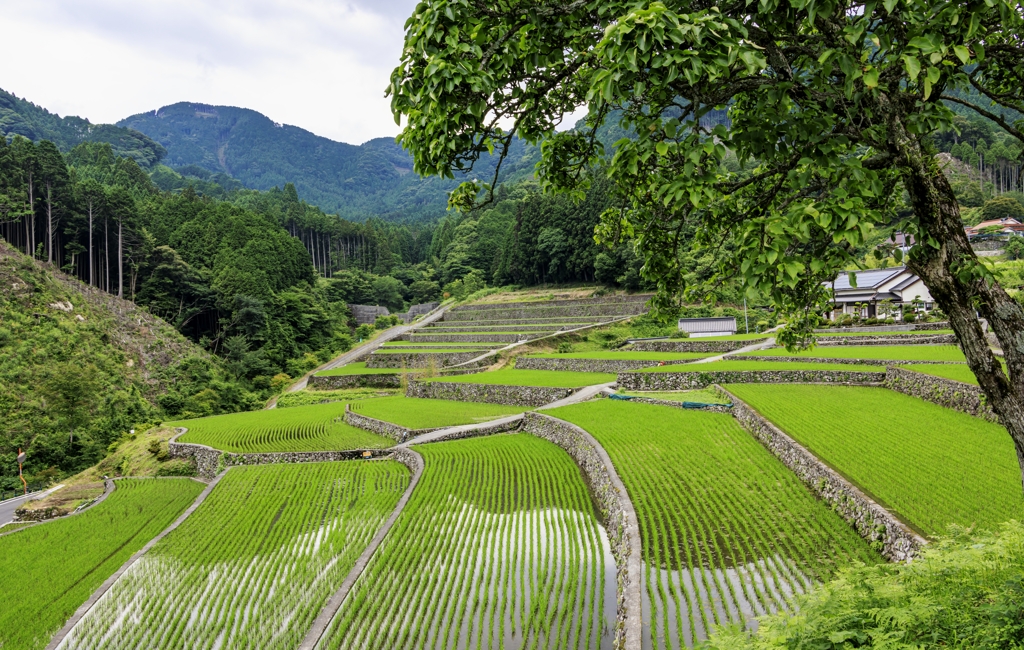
x,y
831,104
964,592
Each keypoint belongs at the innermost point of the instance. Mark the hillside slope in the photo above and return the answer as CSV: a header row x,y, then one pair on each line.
x,y
21,117
80,368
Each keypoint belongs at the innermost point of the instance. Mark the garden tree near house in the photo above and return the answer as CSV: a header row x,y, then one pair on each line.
x,y
1015,248
1002,207
832,104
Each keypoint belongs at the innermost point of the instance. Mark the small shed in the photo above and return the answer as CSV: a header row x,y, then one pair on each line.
x,y
708,326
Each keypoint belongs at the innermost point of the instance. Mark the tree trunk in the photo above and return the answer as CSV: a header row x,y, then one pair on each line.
x,y
939,216
120,260
90,245
30,219
106,253
49,224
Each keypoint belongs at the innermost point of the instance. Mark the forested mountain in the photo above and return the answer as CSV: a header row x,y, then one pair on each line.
x,y
21,117
356,182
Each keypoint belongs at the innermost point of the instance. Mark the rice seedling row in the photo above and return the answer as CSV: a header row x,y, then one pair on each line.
x,y
956,372
627,354
947,353
318,427
416,413
253,565
931,465
499,547
727,532
515,377
742,364
50,569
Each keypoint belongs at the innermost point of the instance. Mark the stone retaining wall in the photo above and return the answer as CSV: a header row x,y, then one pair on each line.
x,y
693,345
472,338
892,339
956,395
502,425
833,361
568,302
382,428
893,539
502,328
336,382
211,462
898,327
616,512
420,359
527,396
540,322
568,311
663,381
591,365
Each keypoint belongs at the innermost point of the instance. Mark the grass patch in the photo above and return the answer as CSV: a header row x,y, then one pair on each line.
x,y
254,564
629,355
471,346
704,395
950,353
549,378
310,396
932,465
499,538
710,498
444,350
302,428
729,365
416,413
49,570
361,369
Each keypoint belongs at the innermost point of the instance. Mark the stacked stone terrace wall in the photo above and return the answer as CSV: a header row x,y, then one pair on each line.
x,y
670,381
568,302
336,382
526,396
895,540
381,428
471,338
367,314
616,512
833,360
956,395
399,360
569,311
881,329
692,345
891,339
591,365
501,425
478,325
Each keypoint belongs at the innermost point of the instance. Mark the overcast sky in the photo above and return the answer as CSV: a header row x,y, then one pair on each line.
x,y
322,65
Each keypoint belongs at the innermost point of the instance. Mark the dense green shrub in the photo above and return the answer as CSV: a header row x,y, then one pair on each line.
x,y
965,591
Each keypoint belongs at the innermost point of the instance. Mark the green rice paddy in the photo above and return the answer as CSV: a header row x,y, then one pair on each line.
x,y
50,569
416,413
728,533
515,377
498,547
742,364
259,559
931,465
361,369
439,350
319,427
704,395
947,353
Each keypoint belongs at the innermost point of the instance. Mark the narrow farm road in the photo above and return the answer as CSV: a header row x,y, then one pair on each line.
x,y
361,351
581,395
448,431
8,507
323,620
750,348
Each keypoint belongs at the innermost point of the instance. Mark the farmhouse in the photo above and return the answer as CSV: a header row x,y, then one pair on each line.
x,y
708,326
878,287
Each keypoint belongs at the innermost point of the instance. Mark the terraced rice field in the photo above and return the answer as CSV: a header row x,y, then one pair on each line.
x,y
469,346
254,565
498,547
442,348
361,369
630,355
744,364
50,569
416,413
319,427
931,465
947,353
514,377
947,371
704,395
728,533
884,334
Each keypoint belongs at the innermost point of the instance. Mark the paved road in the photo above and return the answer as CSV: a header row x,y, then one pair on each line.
x,y
750,348
361,351
8,507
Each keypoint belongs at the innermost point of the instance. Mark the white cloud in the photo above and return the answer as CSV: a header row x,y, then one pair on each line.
x,y
322,65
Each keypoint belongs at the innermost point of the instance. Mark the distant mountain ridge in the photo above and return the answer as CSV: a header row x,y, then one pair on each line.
x,y
22,117
372,179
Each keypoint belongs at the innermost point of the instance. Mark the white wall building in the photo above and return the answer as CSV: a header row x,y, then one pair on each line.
x,y
898,285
